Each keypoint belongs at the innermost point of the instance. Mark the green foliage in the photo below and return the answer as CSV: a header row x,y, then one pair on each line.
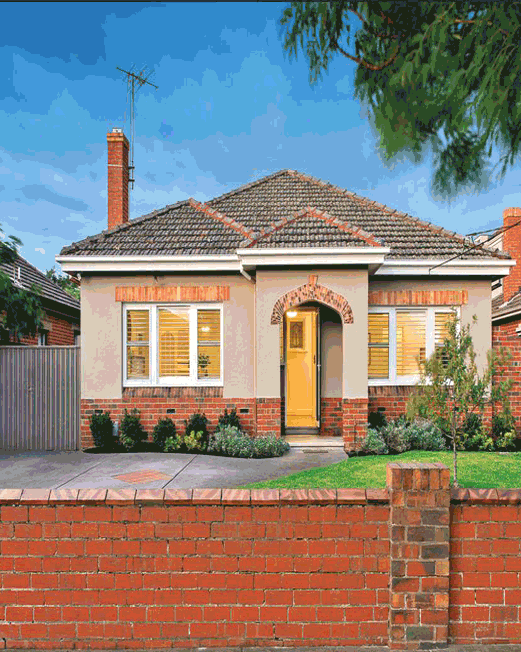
x,y
64,281
377,420
472,436
230,419
374,443
131,432
195,441
451,389
163,430
173,444
435,77
101,430
506,441
21,311
229,440
396,436
426,436
198,423
187,443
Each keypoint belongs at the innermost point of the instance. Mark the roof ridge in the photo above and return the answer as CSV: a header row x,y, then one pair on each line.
x,y
275,226
247,186
221,217
121,227
416,220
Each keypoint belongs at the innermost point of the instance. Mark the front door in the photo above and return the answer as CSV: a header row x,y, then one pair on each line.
x,y
301,368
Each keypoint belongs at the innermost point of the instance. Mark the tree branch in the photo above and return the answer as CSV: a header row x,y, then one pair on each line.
x,y
366,64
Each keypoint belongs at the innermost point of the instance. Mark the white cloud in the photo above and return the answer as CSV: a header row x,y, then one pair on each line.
x,y
39,249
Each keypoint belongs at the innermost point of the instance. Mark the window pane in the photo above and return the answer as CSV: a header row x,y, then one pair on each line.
x,y
137,362
410,342
441,326
378,336
174,342
137,326
209,344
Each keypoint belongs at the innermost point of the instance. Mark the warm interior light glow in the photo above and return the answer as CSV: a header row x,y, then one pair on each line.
x,y
205,329
292,313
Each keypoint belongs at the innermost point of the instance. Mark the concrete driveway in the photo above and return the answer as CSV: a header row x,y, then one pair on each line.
x,y
78,470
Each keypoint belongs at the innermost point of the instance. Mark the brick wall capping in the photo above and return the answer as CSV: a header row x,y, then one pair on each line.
x,y
178,496
92,495
10,496
35,496
64,496
236,497
294,496
192,293
120,496
150,496
377,495
206,496
265,496
351,496
485,496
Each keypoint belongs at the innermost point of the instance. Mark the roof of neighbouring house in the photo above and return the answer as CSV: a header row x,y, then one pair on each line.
x,y
30,275
502,309
287,209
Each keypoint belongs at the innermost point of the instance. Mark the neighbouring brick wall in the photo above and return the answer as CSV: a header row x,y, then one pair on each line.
x,y
414,566
177,404
354,423
331,417
504,335
61,333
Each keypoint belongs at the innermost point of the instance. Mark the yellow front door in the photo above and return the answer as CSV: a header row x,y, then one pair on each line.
x,y
301,360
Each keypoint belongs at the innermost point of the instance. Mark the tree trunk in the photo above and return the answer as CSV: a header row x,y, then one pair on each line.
x,y
455,455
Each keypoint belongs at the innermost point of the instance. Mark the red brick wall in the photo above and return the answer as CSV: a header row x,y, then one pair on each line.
x,y
392,401
268,416
61,333
504,335
154,408
118,175
354,422
158,569
331,417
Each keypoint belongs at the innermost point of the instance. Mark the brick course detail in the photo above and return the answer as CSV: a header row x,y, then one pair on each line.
x,y
418,297
173,568
193,293
312,292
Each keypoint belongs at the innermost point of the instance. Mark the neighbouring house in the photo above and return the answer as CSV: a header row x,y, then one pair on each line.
x,y
298,303
61,322
506,305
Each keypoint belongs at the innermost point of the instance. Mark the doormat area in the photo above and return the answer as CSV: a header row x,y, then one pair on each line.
x,y
316,451
140,477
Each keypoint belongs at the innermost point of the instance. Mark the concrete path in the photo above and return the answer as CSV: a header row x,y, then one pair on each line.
x,y
78,470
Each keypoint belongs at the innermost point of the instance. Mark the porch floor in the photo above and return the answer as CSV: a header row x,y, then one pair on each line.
x,y
313,441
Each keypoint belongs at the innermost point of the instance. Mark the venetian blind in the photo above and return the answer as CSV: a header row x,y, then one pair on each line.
x,y
138,345
208,344
174,342
378,337
410,341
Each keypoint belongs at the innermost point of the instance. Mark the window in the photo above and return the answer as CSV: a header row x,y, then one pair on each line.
x,y
42,338
175,345
77,338
400,340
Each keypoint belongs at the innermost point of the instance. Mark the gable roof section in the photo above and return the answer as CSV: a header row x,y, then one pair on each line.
x,y
511,308
274,212
30,274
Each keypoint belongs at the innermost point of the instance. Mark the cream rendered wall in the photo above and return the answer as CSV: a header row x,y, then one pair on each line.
x,y
352,285
331,355
479,304
102,335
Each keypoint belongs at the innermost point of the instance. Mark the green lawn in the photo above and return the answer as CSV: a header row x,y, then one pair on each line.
x,y
500,470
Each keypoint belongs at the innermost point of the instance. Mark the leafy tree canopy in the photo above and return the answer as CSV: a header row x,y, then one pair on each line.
x,y
443,77
20,310
64,282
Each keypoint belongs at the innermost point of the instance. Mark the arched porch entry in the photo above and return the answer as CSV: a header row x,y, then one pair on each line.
x,y
311,319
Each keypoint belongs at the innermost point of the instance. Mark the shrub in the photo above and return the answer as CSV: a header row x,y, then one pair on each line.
x,y
173,444
374,443
377,420
426,436
230,419
396,436
101,429
163,430
472,436
230,441
195,441
198,423
132,432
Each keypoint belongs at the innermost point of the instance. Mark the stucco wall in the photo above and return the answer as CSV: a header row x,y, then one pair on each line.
x,y
102,332
350,284
331,354
479,304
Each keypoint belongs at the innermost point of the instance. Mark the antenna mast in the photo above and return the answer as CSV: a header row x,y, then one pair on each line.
x,y
133,79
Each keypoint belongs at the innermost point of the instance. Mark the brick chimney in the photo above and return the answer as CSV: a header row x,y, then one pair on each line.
x,y
512,245
117,144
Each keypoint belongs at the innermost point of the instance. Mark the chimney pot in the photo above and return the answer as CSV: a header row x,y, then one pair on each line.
x,y
512,245
118,177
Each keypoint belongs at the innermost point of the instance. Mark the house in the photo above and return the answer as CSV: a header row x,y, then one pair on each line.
x,y
61,322
506,305
301,304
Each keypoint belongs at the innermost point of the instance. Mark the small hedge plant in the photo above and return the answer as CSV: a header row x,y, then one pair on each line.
x,y
230,419
401,435
132,432
163,430
198,423
101,426
230,441
192,442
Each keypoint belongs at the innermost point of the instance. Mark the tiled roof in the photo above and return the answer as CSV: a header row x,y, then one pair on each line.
x,y
275,212
500,308
31,275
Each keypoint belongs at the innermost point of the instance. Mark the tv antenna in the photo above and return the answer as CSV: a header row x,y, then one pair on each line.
x,y
135,79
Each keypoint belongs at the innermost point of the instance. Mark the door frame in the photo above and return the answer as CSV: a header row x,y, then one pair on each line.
x,y
317,364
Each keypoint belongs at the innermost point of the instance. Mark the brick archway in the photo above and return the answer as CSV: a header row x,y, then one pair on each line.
x,y
312,291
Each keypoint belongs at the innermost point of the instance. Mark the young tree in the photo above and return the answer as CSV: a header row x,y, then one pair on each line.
x,y
451,387
20,310
438,76
64,282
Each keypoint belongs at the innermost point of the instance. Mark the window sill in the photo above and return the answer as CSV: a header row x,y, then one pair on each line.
x,y
385,382
208,383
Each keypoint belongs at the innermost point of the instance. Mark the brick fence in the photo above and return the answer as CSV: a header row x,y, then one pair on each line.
x,y
416,565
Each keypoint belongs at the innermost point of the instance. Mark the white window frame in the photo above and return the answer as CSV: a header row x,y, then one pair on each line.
x,y
430,335
154,379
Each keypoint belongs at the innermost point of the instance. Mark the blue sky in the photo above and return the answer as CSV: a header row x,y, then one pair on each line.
x,y
230,108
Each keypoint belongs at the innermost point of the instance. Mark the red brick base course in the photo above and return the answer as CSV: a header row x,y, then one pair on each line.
x,y
354,423
331,417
